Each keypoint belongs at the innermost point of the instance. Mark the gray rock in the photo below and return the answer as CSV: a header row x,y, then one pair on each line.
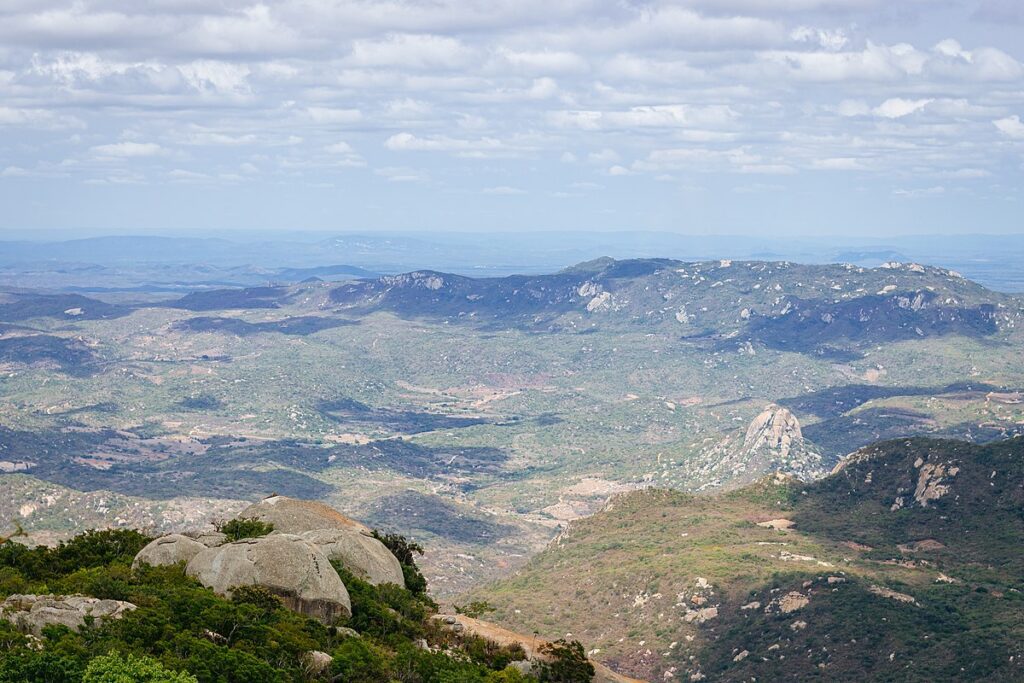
x,y
294,516
315,662
166,550
211,539
31,613
361,554
285,564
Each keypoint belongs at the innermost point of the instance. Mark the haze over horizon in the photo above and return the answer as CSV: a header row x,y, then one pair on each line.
x,y
839,118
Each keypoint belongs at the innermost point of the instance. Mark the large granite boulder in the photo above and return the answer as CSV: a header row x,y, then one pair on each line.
x,y
285,564
32,613
211,539
294,516
170,549
360,553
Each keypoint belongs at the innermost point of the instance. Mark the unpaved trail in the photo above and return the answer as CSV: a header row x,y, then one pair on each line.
x,y
531,646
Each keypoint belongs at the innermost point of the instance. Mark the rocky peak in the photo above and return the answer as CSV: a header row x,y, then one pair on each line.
x,y
775,428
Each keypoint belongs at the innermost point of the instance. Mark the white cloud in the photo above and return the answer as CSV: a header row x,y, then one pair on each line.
x,y
328,115
918,193
129,150
1011,126
832,40
897,107
479,147
503,190
412,51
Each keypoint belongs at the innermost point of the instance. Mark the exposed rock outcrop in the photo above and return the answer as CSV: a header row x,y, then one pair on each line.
x,y
773,442
285,564
32,613
211,539
170,549
360,553
295,516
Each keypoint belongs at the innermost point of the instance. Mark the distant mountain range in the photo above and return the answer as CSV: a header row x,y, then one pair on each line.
x,y
160,263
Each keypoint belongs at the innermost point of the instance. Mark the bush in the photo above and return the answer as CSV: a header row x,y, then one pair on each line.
x,y
568,663
405,551
237,529
475,609
113,668
358,661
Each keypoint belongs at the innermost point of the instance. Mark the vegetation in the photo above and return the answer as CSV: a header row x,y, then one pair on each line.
x,y
406,551
862,587
184,633
236,529
568,663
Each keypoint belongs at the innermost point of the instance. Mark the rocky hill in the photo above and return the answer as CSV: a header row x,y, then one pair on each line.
x,y
480,414
903,564
832,310
289,591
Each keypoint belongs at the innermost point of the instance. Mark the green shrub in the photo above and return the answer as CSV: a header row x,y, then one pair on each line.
x,y
568,663
113,668
237,529
405,551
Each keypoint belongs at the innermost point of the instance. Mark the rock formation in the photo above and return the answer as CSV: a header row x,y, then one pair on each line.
x,y
773,442
360,553
170,549
32,613
295,516
285,564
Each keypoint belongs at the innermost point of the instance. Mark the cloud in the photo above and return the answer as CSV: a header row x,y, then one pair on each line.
x,y
919,193
126,150
479,92
897,107
1011,127
503,190
463,147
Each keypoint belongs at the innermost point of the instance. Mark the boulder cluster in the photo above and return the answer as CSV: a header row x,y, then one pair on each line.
x,y
293,561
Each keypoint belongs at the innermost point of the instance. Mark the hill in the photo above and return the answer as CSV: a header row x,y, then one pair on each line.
x,y
490,411
903,564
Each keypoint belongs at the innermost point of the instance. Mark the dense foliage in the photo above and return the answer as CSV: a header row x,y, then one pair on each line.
x,y
182,632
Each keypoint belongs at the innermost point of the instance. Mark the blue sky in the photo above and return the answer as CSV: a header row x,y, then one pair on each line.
x,y
845,117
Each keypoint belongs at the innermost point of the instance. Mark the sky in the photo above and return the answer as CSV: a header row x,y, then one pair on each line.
x,y
767,117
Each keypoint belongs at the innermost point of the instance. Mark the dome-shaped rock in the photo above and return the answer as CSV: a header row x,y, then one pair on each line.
x,y
284,564
294,516
170,549
361,554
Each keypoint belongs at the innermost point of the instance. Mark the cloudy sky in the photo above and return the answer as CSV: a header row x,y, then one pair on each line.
x,y
703,116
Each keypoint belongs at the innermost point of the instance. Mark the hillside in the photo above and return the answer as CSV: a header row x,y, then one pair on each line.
x,y
481,414
903,564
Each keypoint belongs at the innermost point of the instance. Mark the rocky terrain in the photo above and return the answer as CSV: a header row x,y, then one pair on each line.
x,y
256,593
480,415
903,564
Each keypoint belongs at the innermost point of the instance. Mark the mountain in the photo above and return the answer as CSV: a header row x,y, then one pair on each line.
x,y
903,564
831,311
487,411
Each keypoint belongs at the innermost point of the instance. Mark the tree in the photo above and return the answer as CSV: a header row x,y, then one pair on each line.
x,y
568,663
237,529
113,668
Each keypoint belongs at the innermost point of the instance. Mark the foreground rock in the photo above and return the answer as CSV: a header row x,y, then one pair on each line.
x,y
295,516
360,553
32,613
285,564
170,549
